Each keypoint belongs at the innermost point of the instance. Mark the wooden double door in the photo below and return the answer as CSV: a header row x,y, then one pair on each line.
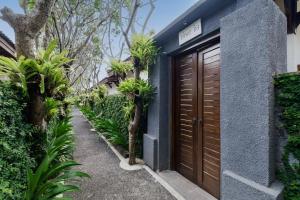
x,y
196,148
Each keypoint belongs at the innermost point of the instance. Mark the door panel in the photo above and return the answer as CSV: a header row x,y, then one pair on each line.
x,y
184,114
211,121
197,118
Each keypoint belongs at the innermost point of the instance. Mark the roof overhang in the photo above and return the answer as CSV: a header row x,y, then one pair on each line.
x,y
201,9
7,48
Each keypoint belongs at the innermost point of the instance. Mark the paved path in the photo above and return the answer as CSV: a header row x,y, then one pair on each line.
x,y
109,181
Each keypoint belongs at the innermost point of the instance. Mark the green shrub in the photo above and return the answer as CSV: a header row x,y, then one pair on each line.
x,y
288,98
111,130
111,107
51,177
15,141
120,67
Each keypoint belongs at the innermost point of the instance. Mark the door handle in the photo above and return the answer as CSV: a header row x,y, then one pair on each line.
x,y
200,120
195,120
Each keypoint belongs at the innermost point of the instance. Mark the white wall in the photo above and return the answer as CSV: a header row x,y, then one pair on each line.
x,y
112,90
293,51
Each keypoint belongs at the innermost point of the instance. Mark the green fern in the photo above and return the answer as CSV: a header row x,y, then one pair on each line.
x,y
46,70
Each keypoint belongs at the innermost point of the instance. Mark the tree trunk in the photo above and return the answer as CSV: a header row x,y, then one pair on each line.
x,y
132,129
35,112
24,44
134,124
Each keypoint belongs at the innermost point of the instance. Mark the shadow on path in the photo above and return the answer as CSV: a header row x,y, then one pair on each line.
x,y
109,181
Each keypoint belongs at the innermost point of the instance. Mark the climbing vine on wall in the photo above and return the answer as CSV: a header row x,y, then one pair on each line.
x,y
288,98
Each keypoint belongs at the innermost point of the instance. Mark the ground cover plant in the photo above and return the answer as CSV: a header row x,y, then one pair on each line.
x,y
288,98
53,175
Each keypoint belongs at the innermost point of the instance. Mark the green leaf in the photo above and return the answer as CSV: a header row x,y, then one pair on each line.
x,y
42,84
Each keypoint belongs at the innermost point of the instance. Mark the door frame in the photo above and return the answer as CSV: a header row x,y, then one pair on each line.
x,y
201,47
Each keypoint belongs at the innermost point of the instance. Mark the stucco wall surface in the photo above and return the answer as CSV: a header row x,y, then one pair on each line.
x,y
253,49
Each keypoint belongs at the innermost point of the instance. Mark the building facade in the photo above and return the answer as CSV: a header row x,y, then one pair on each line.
x,y
7,47
212,118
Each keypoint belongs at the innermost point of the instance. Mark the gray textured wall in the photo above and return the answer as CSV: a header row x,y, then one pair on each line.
x,y
253,48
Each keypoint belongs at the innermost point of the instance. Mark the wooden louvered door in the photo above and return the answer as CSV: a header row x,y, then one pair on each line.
x,y
185,113
209,144
197,118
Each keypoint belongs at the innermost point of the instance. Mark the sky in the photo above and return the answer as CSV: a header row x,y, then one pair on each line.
x,y
165,12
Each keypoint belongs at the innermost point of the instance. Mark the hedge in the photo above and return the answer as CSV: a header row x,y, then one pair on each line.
x,y
288,98
14,144
112,108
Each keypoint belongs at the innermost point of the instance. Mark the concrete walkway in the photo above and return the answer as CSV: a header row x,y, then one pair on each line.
x,y
109,181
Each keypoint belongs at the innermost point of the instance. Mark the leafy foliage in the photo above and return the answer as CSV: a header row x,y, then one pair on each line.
x,y
111,107
121,67
46,71
15,142
288,98
143,50
109,111
112,132
90,98
142,88
48,180
51,108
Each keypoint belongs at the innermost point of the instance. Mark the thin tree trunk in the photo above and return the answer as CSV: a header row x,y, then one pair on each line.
x,y
134,124
35,113
133,128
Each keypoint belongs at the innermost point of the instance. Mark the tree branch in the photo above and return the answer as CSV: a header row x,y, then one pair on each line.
x,y
10,17
152,8
57,32
39,16
131,19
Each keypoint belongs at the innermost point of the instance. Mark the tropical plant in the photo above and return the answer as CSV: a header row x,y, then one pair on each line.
x,y
88,113
54,82
49,179
131,87
96,95
39,78
120,67
101,91
111,131
111,107
51,107
142,52
62,128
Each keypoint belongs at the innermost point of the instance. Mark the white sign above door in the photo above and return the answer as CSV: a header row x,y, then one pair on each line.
x,y
190,32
